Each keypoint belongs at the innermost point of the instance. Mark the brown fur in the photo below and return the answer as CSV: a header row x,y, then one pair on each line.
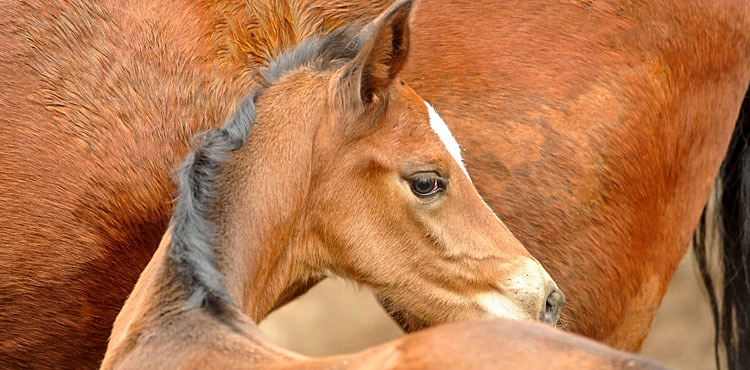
x,y
99,104
592,128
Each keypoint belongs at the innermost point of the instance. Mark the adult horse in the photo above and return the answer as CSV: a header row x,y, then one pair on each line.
x,y
218,265
349,172
593,128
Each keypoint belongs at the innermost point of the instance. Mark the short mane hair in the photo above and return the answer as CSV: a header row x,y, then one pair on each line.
x,y
191,256
339,47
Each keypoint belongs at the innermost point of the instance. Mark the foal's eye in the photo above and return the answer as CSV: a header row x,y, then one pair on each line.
x,y
426,186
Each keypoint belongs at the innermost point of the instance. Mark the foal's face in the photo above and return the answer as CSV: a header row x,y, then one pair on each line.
x,y
400,215
391,206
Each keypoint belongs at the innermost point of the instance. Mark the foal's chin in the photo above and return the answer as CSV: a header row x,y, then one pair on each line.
x,y
409,322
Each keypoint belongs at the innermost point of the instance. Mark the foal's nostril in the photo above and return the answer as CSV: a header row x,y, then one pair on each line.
x,y
555,301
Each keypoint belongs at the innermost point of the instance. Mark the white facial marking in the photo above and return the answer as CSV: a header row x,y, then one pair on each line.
x,y
442,130
498,305
524,293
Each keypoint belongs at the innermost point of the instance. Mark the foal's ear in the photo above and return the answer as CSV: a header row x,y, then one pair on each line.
x,y
383,55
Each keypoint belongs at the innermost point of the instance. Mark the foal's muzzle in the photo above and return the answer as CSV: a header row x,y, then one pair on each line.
x,y
551,312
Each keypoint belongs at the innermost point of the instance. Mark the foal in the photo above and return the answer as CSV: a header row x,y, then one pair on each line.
x,y
347,172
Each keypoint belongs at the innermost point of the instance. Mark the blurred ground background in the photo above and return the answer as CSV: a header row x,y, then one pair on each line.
x,y
337,317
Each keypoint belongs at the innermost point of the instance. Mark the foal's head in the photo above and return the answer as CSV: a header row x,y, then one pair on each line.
x,y
386,200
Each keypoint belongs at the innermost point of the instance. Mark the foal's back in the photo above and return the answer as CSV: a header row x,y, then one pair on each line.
x,y
197,340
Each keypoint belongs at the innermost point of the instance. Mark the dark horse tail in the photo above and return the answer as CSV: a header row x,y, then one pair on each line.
x,y
724,232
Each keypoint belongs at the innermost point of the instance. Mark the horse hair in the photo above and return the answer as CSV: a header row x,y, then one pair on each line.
x,y
191,256
340,46
732,219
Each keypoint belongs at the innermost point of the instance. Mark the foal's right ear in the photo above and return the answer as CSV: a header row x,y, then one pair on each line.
x,y
369,75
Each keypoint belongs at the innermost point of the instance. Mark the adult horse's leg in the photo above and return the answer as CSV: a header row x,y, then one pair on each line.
x,y
727,228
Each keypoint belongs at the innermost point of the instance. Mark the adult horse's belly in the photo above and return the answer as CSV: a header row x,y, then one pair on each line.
x,y
594,131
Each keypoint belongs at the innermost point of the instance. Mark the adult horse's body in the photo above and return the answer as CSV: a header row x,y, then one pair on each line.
x,y
593,128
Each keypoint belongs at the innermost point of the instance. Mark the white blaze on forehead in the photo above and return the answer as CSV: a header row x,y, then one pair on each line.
x,y
442,130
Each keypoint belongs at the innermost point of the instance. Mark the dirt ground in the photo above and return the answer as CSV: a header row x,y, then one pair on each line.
x,y
682,334
336,317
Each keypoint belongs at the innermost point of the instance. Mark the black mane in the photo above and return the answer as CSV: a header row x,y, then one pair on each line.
x,y
191,256
193,234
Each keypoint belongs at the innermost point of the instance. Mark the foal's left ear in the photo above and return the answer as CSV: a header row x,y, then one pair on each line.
x,y
372,71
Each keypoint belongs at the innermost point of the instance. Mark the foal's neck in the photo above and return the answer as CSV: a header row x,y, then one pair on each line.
x,y
262,240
